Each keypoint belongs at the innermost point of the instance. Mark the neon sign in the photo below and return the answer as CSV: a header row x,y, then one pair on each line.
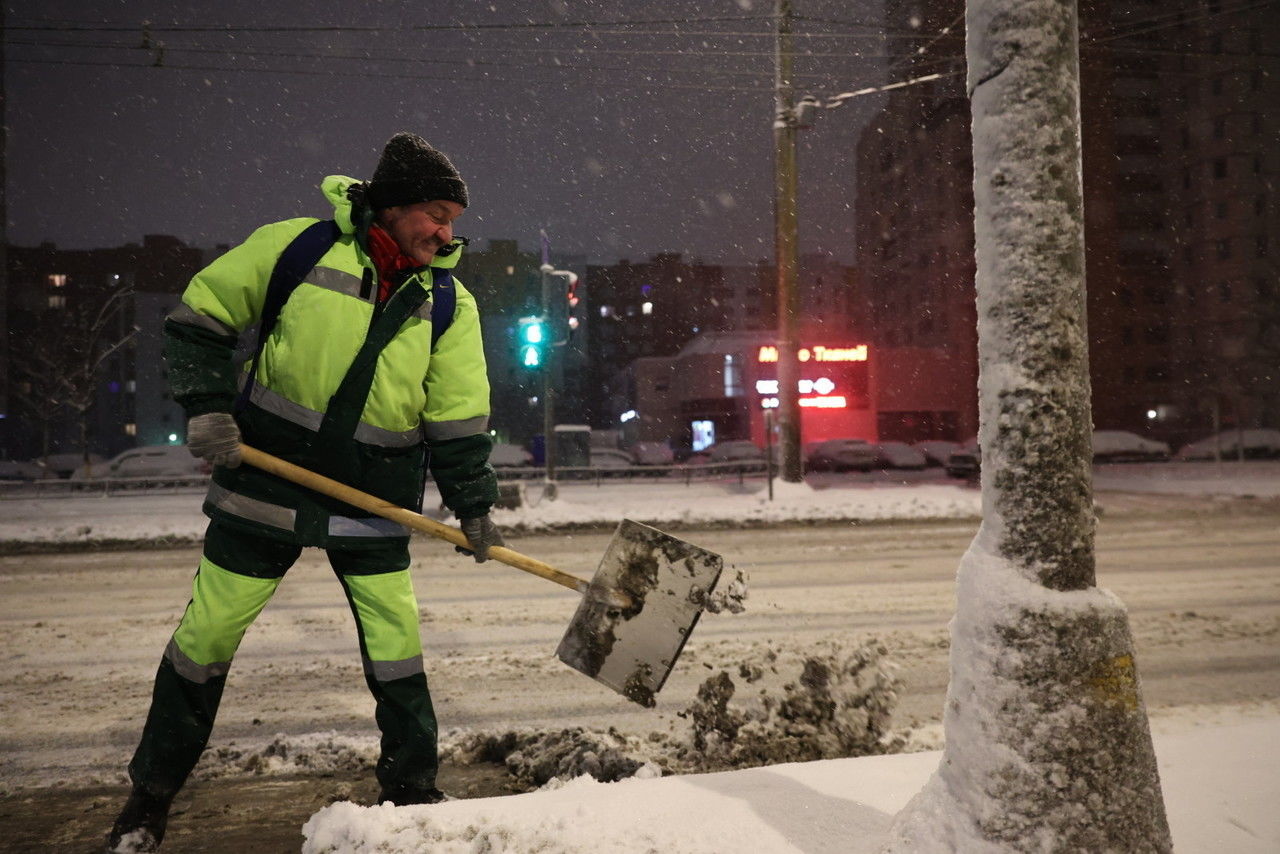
x,y
822,385
836,401
769,353
829,402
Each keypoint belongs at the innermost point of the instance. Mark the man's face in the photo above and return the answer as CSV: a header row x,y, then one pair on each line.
x,y
421,229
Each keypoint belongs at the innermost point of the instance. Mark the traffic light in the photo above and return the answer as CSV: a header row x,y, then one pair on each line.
x,y
572,304
532,342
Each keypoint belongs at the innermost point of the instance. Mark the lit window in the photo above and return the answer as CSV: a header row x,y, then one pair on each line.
x,y
732,376
131,429
57,301
646,308
57,280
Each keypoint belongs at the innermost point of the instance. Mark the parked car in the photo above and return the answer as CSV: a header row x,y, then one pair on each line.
x,y
697,458
937,451
21,470
504,455
1121,446
610,458
65,465
158,461
840,455
736,451
652,454
898,455
965,462
1258,444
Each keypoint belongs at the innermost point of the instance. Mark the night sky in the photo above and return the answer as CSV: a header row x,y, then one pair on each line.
x,y
619,140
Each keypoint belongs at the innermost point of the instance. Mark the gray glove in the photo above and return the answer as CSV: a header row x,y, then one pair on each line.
x,y
215,437
482,534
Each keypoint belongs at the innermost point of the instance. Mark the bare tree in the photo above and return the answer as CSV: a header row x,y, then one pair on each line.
x,y
58,362
1047,742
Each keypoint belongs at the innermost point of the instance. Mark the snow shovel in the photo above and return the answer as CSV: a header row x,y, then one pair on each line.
x,y
636,612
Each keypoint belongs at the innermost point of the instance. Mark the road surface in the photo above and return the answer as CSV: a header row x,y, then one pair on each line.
x,y
84,632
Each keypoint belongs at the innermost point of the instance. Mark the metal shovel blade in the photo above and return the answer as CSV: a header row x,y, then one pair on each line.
x,y
633,649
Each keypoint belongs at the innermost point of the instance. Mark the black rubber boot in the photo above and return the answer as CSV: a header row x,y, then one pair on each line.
x,y
140,826
403,796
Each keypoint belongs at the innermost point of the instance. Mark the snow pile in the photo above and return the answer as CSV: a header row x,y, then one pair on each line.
x,y
698,504
1221,785
537,758
566,820
840,705
324,753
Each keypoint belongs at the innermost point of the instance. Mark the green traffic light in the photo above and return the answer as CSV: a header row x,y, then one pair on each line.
x,y
533,337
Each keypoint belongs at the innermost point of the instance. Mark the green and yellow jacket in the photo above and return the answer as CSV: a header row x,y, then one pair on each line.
x,y
344,386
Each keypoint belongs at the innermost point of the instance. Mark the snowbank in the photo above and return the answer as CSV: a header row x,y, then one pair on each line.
x,y
881,496
177,516
1220,788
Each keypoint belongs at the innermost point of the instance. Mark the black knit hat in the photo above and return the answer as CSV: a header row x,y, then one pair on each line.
x,y
411,171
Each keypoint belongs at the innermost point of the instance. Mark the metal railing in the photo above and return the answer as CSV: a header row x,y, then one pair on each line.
x,y
61,487
738,471
688,474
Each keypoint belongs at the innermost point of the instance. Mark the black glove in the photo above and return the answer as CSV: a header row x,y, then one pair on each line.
x,y
482,533
215,437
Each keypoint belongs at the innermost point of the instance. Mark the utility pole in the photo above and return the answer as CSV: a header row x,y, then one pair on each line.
x,y
1047,742
556,322
548,391
785,124
4,259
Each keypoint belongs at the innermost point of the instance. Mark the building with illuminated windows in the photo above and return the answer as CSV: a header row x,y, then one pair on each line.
x,y
722,387
1181,147
59,289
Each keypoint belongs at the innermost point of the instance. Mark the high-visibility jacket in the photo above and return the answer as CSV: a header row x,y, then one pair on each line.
x,y
369,426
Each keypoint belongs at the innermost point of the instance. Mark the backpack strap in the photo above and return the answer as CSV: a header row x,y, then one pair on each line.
x,y
444,300
295,263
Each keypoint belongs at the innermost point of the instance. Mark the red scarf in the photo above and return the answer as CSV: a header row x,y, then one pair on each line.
x,y
388,259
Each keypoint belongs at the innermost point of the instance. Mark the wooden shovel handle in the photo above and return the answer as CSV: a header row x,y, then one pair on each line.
x,y
416,521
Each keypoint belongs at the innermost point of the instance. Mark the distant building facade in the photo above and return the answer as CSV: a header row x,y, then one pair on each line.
x,y
1180,145
653,309
722,386
52,289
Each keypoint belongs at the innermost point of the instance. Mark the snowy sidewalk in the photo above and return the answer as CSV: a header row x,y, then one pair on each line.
x,y
1221,787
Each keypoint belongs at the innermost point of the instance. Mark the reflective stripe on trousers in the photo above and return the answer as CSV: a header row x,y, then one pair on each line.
x,y
237,577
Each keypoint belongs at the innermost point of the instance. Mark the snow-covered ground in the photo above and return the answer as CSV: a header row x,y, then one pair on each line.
x,y
1221,785
1220,766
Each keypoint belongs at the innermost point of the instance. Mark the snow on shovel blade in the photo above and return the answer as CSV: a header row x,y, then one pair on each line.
x,y
633,649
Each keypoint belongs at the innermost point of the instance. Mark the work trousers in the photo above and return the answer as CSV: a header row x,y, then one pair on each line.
x,y
238,573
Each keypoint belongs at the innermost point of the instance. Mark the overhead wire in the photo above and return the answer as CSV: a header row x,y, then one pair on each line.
x,y
260,28
571,63
349,73
172,50
570,51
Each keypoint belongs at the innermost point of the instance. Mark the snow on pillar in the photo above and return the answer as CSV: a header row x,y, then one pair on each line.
x,y
1047,742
